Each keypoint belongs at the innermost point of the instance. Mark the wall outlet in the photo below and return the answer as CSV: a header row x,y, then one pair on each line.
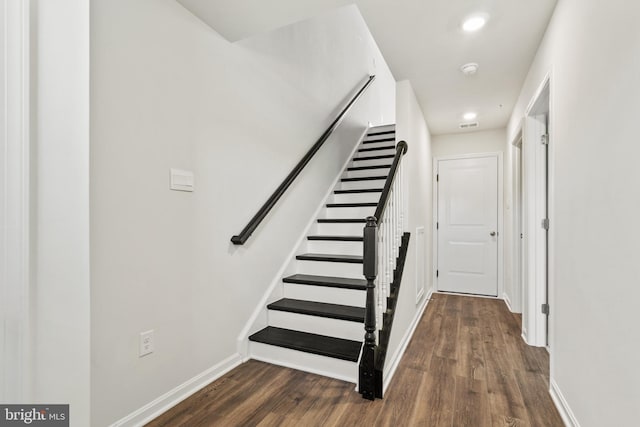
x,y
146,343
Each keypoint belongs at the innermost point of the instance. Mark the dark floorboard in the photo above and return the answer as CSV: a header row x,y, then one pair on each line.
x,y
465,366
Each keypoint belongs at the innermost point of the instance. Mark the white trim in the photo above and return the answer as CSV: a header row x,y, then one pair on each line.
x,y
420,264
170,399
516,213
567,415
507,301
537,260
406,339
460,294
253,324
551,235
15,201
434,228
501,236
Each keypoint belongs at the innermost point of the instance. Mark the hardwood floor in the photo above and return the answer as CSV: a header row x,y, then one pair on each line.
x,y
465,366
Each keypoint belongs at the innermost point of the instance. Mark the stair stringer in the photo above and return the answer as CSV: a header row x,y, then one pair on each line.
x,y
275,291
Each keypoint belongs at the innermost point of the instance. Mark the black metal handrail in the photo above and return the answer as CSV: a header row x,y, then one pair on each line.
x,y
246,232
370,381
401,150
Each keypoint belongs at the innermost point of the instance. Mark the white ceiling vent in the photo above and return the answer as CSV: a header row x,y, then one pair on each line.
x,y
469,125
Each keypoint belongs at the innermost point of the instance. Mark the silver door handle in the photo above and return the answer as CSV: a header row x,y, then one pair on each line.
x,y
493,233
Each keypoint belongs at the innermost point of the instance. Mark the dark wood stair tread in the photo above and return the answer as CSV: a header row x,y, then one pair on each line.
x,y
320,309
322,345
363,178
383,156
341,220
385,132
349,259
352,205
337,238
361,190
327,281
386,147
364,168
373,141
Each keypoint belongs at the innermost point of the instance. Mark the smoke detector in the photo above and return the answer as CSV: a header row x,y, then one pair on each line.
x,y
469,69
469,125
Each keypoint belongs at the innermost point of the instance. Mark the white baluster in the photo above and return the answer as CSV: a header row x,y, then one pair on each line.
x,y
381,276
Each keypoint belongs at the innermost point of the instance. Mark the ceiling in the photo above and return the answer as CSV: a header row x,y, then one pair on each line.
x,y
422,41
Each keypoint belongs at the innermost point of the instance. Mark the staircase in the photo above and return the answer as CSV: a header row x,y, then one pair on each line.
x,y
318,325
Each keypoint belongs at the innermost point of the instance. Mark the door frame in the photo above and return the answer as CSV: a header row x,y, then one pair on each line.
x,y
537,203
515,300
15,196
498,155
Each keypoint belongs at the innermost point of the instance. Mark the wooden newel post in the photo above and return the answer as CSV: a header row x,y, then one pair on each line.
x,y
367,381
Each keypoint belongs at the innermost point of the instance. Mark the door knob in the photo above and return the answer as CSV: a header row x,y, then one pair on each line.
x,y
493,233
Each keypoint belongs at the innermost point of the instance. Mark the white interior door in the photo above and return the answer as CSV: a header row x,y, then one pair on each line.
x,y
468,225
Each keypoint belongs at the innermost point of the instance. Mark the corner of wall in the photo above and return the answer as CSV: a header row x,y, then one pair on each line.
x,y
170,399
559,400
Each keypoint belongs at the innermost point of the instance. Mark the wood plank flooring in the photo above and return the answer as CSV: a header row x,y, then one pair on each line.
x,y
465,366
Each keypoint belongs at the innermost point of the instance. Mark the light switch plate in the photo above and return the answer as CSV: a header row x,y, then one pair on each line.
x,y
181,180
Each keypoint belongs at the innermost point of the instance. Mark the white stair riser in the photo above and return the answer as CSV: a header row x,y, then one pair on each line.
x,y
353,297
327,366
357,197
335,247
324,268
366,173
340,229
381,128
385,152
369,140
369,183
356,212
374,162
317,325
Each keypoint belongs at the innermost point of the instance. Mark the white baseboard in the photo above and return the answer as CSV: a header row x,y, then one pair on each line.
x,y
170,399
507,301
395,360
566,413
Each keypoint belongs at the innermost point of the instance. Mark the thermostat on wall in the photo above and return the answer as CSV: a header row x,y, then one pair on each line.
x,y
181,180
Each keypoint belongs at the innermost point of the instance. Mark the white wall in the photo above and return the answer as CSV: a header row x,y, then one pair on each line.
x,y
487,141
412,128
60,203
168,91
591,48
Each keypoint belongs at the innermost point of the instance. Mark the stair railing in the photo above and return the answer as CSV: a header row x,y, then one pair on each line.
x,y
382,240
246,232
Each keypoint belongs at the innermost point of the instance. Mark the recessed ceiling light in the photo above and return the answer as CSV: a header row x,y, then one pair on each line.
x,y
474,23
470,115
469,69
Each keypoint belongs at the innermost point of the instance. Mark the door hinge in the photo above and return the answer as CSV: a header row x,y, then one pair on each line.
x,y
437,177
437,273
544,139
437,226
545,223
545,309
